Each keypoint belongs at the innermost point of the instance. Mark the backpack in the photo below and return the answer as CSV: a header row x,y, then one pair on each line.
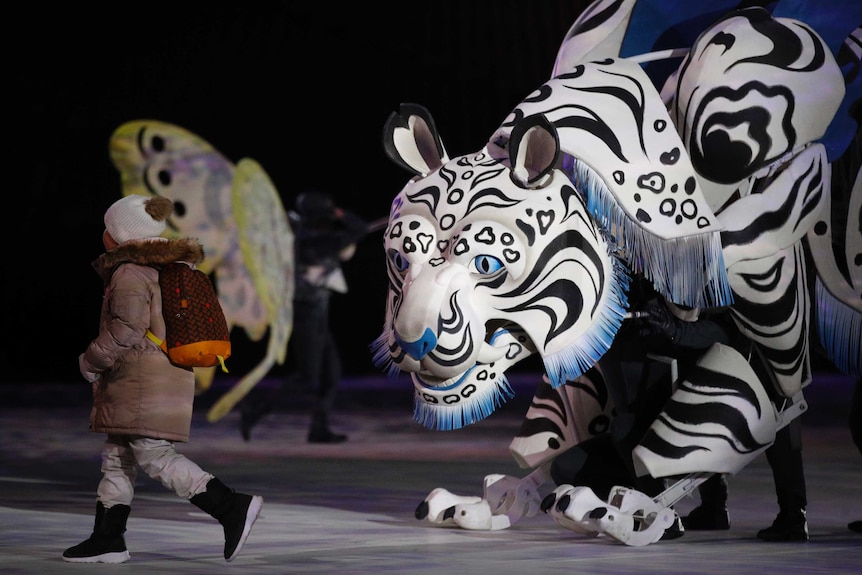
x,y
196,329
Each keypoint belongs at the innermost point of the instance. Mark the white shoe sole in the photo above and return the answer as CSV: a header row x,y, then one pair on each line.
x,y
119,557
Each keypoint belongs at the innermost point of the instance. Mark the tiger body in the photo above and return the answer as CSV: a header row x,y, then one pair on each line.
x,y
527,245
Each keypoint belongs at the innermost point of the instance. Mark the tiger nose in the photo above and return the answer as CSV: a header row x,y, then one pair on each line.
x,y
419,348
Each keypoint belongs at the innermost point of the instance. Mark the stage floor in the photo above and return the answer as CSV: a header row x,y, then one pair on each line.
x,y
349,508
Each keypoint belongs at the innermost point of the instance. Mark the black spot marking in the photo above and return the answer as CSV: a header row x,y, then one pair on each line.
x,y
670,158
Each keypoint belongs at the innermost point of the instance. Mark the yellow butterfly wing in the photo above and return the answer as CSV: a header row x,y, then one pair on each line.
x,y
266,242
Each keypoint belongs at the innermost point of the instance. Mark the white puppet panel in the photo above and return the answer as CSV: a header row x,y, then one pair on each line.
x,y
559,418
718,419
754,90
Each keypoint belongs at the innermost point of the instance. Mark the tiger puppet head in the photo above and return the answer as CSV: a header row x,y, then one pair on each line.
x,y
490,259
526,245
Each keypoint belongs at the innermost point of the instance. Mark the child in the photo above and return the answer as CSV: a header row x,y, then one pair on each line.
x,y
141,401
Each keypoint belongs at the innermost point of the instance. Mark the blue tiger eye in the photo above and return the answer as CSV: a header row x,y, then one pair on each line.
x,y
398,260
485,264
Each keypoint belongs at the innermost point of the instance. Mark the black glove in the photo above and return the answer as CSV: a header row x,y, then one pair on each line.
x,y
658,321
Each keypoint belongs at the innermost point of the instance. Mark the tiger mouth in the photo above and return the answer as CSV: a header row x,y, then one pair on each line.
x,y
488,354
428,379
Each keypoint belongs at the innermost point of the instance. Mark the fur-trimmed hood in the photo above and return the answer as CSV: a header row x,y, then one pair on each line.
x,y
149,252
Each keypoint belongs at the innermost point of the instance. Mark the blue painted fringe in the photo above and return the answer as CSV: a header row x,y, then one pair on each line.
x,y
480,405
839,327
688,271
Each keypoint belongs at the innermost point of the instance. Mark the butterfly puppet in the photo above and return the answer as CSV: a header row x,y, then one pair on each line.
x,y
235,211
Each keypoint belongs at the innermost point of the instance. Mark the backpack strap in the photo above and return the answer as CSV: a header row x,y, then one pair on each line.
x,y
159,342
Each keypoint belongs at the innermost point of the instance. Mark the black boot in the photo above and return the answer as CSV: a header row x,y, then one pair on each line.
x,y
106,544
319,431
706,518
712,512
789,525
236,512
250,414
675,531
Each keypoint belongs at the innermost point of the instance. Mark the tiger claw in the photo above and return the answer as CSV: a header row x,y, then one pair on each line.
x,y
505,500
571,507
628,516
439,507
515,497
478,517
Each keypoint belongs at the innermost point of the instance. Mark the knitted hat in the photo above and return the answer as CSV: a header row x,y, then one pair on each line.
x,y
136,217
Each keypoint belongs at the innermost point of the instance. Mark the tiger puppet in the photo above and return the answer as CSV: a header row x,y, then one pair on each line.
x,y
704,187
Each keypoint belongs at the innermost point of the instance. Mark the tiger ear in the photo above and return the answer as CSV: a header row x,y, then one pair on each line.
x,y
534,148
410,139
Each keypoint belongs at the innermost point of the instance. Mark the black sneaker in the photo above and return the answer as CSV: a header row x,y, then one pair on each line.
x,y
707,519
855,526
789,525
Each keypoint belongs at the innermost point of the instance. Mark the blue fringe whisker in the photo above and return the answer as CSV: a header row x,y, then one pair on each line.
x,y
675,266
482,403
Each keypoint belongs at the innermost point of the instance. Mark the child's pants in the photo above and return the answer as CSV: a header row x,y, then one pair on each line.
x,y
158,459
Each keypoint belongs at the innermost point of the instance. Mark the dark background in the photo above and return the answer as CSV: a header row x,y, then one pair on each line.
x,y
304,88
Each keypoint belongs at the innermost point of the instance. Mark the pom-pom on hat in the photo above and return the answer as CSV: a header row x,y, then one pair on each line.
x,y
136,217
